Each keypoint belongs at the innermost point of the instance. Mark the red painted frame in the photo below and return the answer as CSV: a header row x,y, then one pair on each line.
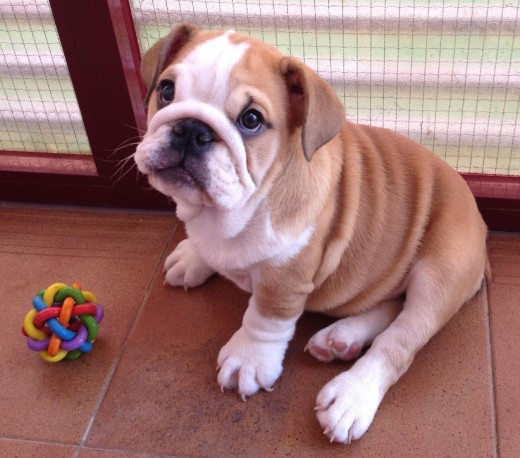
x,y
102,53
498,198
63,164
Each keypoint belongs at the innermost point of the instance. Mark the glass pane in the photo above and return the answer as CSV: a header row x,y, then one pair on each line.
x,y
444,73
38,107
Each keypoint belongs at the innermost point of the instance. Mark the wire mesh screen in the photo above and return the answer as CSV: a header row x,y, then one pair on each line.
x,y
38,107
444,73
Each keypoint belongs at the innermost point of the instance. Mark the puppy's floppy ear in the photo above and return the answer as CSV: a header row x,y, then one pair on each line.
x,y
313,105
161,54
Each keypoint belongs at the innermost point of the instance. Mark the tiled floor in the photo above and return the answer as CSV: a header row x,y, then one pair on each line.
x,y
149,386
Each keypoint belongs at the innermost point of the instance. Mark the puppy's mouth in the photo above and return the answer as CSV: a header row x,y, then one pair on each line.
x,y
182,175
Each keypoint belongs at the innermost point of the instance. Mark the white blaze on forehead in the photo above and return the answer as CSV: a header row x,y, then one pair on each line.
x,y
204,73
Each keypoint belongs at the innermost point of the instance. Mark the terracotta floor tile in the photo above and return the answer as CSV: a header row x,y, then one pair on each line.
x,y
162,343
504,300
112,254
164,396
504,254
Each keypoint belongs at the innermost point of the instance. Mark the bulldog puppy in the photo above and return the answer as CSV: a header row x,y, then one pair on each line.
x,y
305,211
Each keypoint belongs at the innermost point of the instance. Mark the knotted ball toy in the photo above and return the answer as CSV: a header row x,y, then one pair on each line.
x,y
63,323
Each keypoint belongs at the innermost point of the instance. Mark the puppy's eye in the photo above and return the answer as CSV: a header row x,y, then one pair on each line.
x,y
251,121
166,91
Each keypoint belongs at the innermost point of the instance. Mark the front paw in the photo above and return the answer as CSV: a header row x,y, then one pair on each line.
x,y
248,365
184,267
346,407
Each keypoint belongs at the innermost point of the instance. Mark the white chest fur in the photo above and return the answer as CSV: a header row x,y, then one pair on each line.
x,y
233,244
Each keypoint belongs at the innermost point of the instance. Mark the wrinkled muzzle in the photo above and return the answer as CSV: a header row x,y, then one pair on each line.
x,y
193,151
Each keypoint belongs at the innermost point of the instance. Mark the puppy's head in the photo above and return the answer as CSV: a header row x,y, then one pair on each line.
x,y
223,108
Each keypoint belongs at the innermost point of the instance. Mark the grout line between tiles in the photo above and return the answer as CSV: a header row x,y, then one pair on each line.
x,y
117,360
38,442
492,377
139,453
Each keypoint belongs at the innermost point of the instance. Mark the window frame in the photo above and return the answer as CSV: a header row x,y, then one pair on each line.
x,y
102,53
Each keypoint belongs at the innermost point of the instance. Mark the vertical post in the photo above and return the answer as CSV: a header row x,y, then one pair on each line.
x,y
97,42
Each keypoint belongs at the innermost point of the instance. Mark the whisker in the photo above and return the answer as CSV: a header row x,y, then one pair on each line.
x,y
133,141
139,131
120,171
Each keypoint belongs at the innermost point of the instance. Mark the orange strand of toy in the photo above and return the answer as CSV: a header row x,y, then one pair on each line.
x,y
54,345
66,311
64,318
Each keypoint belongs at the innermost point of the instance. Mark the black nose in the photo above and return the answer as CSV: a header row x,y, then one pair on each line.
x,y
191,136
